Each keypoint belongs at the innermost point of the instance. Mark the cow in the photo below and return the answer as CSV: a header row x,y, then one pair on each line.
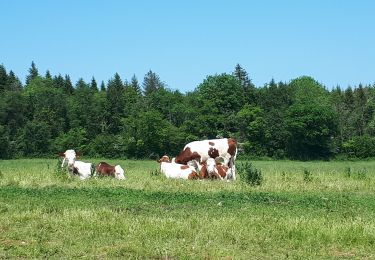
x,y
200,151
83,169
104,169
176,170
213,168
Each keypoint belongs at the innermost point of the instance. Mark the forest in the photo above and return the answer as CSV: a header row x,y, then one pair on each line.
x,y
300,119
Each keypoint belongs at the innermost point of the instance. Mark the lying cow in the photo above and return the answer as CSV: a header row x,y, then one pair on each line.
x,y
201,151
213,169
104,169
84,170
176,170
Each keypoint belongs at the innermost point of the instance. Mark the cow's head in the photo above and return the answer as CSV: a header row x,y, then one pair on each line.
x,y
69,156
165,158
119,173
210,164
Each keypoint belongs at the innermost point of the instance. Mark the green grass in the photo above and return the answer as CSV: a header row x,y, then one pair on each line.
x,y
301,210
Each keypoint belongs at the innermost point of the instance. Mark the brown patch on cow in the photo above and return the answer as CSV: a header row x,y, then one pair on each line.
x,y
203,173
232,146
105,169
183,167
211,143
222,170
186,155
213,152
193,175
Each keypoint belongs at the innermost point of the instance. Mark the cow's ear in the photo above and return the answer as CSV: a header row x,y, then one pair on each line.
x,y
78,154
62,154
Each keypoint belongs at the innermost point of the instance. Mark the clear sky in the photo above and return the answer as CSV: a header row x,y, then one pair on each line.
x,y
184,41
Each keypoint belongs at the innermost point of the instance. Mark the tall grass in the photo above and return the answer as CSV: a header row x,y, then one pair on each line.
x,y
44,213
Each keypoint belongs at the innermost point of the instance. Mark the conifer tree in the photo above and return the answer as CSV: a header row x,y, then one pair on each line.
x,y
94,85
48,75
102,86
3,78
33,73
151,83
135,85
14,84
68,86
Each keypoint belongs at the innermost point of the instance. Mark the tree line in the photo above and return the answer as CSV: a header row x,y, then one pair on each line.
x,y
300,119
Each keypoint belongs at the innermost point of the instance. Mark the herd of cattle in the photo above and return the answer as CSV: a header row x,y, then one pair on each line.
x,y
207,159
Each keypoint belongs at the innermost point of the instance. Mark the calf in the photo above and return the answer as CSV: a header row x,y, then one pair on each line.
x,y
176,170
84,170
214,169
104,169
201,151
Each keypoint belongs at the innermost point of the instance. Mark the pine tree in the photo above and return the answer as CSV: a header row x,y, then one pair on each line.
x,y
135,85
94,85
115,103
68,86
81,84
247,85
33,73
48,75
102,86
58,81
3,78
14,84
151,83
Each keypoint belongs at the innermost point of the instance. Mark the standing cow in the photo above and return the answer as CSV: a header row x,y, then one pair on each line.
x,y
200,151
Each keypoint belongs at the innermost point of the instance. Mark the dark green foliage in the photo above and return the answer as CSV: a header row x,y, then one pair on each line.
x,y
36,138
151,83
33,73
310,121
297,120
250,174
75,138
360,147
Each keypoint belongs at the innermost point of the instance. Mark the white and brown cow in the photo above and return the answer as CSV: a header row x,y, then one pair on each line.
x,y
213,169
176,170
200,151
105,169
83,169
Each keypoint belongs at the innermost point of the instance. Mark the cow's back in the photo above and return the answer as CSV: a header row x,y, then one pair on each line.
x,y
225,147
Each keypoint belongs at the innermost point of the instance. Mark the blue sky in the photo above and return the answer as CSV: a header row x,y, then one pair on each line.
x,y
184,41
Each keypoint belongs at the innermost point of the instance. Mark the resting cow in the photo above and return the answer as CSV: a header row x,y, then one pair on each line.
x,y
213,169
84,170
104,169
176,170
201,151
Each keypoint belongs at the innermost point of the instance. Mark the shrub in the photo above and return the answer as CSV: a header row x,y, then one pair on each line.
x,y
360,147
250,174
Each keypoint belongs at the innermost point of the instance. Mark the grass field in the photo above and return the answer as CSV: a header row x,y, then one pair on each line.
x,y
312,210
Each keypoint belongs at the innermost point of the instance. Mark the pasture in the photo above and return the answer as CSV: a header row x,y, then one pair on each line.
x,y
307,210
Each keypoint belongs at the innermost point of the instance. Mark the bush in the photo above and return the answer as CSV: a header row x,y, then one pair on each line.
x,y
250,174
360,147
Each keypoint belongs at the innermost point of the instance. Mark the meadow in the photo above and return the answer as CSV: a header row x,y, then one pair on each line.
x,y
319,210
